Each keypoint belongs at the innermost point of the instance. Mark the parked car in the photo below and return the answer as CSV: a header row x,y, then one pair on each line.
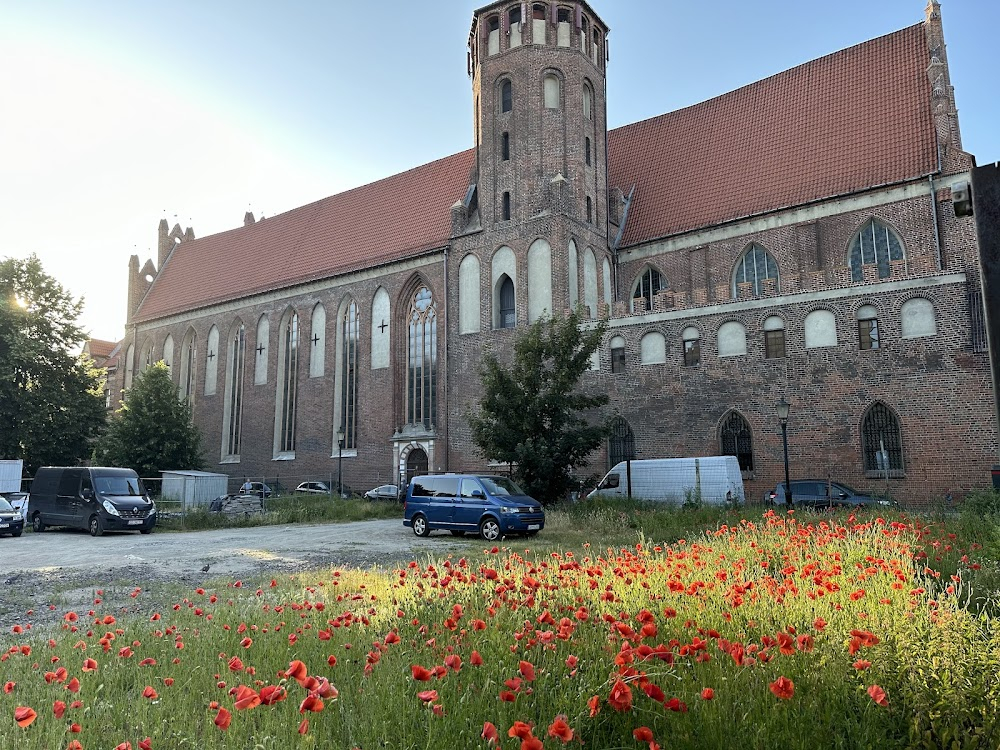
x,y
383,492
95,498
314,488
255,488
492,506
19,501
813,493
11,521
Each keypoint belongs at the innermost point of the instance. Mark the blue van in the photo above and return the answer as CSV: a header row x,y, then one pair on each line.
x,y
490,506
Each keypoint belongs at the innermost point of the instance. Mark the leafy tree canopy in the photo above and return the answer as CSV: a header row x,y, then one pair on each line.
x,y
532,413
51,398
152,431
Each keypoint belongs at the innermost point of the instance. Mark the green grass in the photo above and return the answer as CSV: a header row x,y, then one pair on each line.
x,y
281,510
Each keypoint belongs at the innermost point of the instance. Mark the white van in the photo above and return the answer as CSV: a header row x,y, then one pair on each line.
x,y
713,480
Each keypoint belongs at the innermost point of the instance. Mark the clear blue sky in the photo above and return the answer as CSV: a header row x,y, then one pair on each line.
x,y
119,113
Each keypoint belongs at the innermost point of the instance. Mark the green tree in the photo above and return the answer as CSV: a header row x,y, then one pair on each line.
x,y
532,413
152,430
51,398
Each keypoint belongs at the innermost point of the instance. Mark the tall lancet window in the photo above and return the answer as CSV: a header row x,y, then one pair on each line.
x,y
288,379
421,360
349,377
233,416
189,356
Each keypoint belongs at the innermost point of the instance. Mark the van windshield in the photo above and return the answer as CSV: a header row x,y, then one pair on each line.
x,y
500,486
119,486
4,505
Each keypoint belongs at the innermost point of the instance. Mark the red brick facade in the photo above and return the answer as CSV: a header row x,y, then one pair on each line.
x,y
935,382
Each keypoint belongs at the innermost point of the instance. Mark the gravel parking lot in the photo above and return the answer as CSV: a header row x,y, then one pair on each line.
x,y
63,566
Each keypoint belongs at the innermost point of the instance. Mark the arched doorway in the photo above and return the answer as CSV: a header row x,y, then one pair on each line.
x,y
621,443
416,464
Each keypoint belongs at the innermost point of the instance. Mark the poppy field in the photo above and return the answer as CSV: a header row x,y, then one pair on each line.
x,y
774,631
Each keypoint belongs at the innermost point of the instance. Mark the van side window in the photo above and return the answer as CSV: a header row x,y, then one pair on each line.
x,y
70,482
423,488
446,487
86,484
469,487
610,482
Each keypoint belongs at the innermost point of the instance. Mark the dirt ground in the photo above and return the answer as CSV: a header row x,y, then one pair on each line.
x,y
64,568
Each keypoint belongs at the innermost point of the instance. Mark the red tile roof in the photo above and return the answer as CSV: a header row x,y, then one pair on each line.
x,y
849,121
100,349
852,120
380,222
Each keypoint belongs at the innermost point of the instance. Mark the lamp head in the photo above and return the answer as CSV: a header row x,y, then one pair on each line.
x,y
782,406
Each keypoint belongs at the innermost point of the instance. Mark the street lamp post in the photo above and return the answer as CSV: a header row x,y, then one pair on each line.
x,y
340,463
782,407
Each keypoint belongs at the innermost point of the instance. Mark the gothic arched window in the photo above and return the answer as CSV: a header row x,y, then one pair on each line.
x,y
875,244
421,360
189,357
508,316
881,440
506,97
288,379
621,442
736,439
647,286
232,427
349,376
756,265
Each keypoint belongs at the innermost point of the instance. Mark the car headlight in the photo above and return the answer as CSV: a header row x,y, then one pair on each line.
x,y
17,516
110,508
885,502
505,509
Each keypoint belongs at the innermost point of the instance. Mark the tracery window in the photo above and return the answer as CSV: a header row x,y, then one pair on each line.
x,y
508,318
881,440
621,443
736,439
288,383
421,359
754,267
647,287
349,376
875,244
233,417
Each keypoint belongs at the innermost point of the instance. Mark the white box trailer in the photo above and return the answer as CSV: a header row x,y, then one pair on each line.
x,y
194,488
714,480
10,475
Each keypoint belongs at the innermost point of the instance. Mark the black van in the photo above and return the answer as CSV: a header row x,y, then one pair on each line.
x,y
96,498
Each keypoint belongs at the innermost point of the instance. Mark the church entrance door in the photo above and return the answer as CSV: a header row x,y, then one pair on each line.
x,y
416,464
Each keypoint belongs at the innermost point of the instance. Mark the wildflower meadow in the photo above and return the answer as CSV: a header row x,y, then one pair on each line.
x,y
773,631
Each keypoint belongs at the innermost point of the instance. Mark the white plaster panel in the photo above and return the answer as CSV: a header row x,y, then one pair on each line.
x,y
538,30
260,361
469,295
129,365
918,318
574,280
562,35
539,280
317,349
380,334
653,349
606,277
774,323
866,312
732,339
493,45
590,281
168,353
551,86
690,334
212,362
820,329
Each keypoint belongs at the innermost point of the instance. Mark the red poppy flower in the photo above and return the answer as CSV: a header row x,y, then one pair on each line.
x,y
297,671
428,696
73,685
475,659
490,733
621,696
74,745
560,729
246,698
8,687
507,696
783,688
654,692
235,664
58,709
146,744
75,728
520,730
527,670
532,743
453,661
643,734
311,703
148,692
877,694
304,726
24,716
594,704
223,719
89,665
707,694
861,664
168,681
147,663
271,694
421,674
123,746
246,642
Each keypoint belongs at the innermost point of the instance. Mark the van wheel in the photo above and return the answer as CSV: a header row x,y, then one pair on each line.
x,y
96,528
489,529
420,527
36,523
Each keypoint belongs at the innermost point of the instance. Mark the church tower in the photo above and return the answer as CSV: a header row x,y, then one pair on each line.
x,y
538,80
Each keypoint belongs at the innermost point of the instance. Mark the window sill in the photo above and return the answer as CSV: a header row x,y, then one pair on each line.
x,y
288,456
352,453
230,460
893,474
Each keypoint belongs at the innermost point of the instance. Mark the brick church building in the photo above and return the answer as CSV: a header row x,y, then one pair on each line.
x,y
802,237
